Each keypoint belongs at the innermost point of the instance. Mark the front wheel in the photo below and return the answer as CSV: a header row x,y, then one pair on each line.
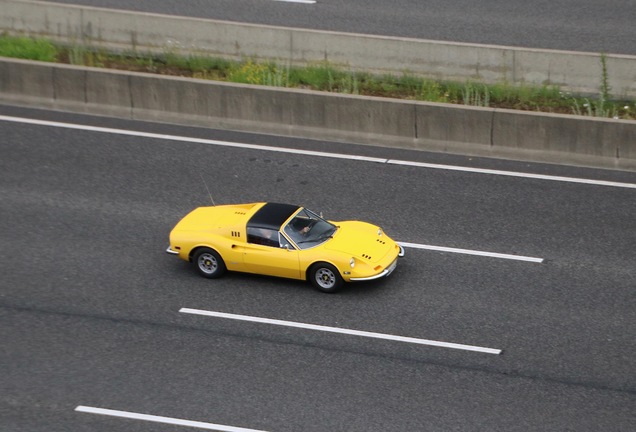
x,y
325,277
209,263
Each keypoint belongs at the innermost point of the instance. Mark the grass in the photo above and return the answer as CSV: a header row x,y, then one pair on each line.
x,y
326,77
29,49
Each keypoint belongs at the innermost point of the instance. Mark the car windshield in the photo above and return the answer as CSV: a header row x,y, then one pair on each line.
x,y
308,230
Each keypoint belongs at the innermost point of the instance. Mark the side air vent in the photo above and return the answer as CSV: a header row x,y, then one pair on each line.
x,y
380,241
236,234
366,256
239,213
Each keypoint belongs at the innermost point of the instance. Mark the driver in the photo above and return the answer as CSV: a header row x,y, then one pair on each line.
x,y
298,229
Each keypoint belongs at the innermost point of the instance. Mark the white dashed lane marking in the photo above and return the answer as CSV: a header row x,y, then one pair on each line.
x,y
341,331
297,1
472,252
161,419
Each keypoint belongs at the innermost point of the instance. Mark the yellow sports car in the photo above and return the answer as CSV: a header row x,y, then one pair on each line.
x,y
283,240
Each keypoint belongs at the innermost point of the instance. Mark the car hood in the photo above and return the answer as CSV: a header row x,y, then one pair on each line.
x,y
361,240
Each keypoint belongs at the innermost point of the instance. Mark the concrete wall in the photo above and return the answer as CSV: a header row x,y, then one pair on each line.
x,y
125,30
378,121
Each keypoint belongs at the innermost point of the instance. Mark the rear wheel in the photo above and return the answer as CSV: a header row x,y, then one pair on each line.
x,y
209,263
325,277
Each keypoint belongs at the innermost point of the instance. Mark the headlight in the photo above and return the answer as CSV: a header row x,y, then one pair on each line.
x,y
379,231
352,262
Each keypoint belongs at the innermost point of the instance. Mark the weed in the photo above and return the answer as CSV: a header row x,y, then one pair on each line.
x,y
250,72
594,108
605,87
476,95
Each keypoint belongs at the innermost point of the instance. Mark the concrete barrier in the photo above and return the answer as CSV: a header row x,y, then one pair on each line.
x,y
595,137
27,81
125,30
301,113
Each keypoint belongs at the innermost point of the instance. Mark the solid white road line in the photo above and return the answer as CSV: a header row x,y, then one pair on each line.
x,y
512,174
340,330
472,252
178,138
161,419
313,153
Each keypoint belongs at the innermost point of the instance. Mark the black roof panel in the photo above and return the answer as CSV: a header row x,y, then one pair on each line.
x,y
272,216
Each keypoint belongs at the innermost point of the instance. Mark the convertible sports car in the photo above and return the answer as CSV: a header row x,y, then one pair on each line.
x,y
283,240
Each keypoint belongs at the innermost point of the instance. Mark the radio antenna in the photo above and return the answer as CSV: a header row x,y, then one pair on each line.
x,y
206,188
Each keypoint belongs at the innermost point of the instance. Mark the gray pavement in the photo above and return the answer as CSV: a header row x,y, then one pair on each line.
x,y
89,300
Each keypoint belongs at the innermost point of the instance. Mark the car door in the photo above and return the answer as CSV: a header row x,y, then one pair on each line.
x,y
270,254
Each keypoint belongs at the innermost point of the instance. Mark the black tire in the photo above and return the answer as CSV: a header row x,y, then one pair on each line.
x,y
208,263
325,277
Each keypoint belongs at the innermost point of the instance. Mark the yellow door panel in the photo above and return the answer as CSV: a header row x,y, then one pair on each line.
x,y
271,261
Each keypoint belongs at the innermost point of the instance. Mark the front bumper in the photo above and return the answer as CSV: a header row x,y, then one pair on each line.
x,y
172,252
384,273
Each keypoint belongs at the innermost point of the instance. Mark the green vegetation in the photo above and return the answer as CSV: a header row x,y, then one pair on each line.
x,y
29,49
327,77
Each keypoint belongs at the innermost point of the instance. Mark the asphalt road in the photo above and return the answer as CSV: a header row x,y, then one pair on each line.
x,y
578,25
89,304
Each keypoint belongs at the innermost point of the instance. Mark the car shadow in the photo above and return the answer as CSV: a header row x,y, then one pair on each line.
x,y
366,288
